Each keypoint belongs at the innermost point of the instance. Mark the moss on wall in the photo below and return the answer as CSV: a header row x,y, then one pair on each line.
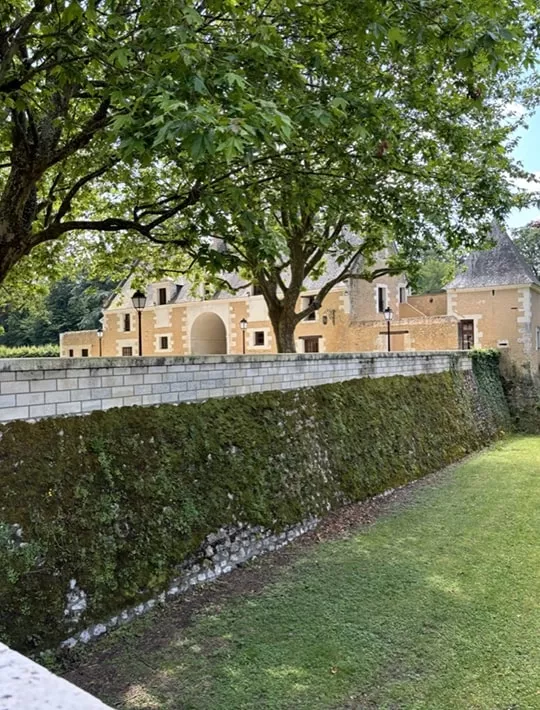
x,y
116,500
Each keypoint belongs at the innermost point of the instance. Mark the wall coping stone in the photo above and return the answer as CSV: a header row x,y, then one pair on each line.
x,y
76,363
26,685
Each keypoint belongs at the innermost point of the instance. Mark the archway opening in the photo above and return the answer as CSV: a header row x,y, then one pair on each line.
x,y
208,335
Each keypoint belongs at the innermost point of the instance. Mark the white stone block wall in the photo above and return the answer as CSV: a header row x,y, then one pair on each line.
x,y
48,387
25,685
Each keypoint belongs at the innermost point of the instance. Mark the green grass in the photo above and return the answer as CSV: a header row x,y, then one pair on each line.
x,y
436,606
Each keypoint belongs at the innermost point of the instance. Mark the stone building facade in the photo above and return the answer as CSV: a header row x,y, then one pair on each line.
x,y
494,302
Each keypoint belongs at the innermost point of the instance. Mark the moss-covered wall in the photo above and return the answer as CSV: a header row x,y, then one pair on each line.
x,y
115,500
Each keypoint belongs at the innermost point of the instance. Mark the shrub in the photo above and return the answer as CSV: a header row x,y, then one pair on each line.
x,y
30,351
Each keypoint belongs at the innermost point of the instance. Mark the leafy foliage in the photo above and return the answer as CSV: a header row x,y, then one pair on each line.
x,y
434,273
117,499
527,239
68,305
51,350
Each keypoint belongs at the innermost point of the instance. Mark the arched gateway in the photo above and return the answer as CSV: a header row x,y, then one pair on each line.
x,y
208,335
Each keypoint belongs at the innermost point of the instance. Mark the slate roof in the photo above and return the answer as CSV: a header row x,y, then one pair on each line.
x,y
501,266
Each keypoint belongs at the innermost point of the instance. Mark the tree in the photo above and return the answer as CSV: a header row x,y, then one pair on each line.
x,y
69,305
527,240
397,135
91,90
434,273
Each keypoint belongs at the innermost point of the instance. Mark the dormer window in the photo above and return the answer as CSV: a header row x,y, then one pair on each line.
x,y
162,296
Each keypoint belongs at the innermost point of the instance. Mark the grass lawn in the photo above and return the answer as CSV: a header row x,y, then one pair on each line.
x,y
434,606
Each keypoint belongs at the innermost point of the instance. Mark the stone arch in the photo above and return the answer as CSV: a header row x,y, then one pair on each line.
x,y
208,335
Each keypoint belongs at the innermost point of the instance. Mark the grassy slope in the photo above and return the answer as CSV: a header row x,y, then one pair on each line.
x,y
436,606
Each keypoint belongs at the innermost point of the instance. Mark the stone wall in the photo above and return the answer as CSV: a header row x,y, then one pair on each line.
x,y
219,554
36,388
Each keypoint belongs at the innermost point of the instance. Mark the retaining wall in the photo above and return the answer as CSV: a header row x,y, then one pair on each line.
x,y
45,387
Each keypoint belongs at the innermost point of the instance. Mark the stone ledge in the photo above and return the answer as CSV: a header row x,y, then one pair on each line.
x,y
93,363
25,685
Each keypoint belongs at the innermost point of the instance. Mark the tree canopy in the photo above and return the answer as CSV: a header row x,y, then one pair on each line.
x,y
527,240
279,126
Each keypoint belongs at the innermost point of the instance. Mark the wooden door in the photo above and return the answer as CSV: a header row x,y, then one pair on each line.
x,y
466,334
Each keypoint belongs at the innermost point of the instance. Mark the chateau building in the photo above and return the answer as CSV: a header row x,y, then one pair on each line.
x,y
494,302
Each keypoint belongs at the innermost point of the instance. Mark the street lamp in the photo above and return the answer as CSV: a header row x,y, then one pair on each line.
x,y
139,302
100,339
388,314
243,325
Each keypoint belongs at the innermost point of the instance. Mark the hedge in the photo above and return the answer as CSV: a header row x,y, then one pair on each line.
x,y
117,499
50,350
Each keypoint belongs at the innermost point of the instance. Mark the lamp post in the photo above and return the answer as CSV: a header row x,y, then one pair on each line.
x,y
100,339
243,325
388,314
139,302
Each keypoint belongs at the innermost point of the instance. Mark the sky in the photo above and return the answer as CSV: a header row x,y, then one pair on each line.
x,y
528,153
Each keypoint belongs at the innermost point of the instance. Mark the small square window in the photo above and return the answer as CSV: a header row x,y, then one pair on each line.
x,y
307,301
164,342
162,296
258,337
84,352
381,298
126,352
127,322
70,352
311,344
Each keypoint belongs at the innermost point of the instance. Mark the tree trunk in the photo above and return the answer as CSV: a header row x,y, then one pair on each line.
x,y
283,325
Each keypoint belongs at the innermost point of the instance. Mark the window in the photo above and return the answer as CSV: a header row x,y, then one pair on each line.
x,y
311,344
162,296
70,353
258,337
84,352
256,290
403,294
127,322
538,338
307,301
126,352
164,342
381,299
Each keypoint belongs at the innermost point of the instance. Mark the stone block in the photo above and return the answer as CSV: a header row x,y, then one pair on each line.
x,y
14,387
29,375
124,391
11,413
133,379
91,405
142,389
152,379
112,402
135,400
43,410
70,383
43,386
31,398
68,408
112,381
54,397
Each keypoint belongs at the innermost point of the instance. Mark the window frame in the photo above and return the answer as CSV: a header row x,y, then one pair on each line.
x,y
311,316
162,296
311,339
127,320
85,352
381,306
127,354
161,339
258,334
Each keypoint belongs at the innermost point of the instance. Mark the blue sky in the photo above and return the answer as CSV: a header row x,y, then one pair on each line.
x,y
528,153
